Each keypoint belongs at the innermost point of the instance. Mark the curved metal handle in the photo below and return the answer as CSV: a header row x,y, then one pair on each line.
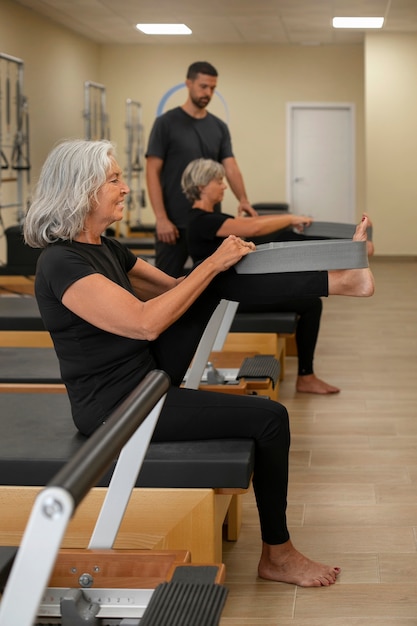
x,y
90,462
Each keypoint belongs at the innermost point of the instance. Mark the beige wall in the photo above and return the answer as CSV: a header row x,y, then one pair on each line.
x,y
256,82
391,140
56,64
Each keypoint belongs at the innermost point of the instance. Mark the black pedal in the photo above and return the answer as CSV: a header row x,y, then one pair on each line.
x,y
205,574
260,366
186,603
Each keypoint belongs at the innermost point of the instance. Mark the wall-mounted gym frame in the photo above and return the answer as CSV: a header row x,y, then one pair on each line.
x,y
14,138
136,199
95,116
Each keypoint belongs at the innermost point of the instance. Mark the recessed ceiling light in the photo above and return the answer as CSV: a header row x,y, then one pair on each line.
x,y
358,22
164,29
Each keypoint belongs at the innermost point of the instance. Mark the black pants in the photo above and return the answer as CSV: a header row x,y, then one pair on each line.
x,y
171,259
191,415
177,345
308,325
308,309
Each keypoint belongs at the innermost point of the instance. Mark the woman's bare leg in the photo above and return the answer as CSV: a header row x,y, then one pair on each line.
x,y
283,563
360,282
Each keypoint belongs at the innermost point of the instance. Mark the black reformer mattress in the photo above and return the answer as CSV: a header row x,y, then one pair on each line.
x,y
38,437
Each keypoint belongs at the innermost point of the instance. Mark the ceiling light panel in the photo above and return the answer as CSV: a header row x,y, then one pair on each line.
x,y
164,29
358,22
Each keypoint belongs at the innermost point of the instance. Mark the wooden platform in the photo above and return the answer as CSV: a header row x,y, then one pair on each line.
x,y
156,519
17,284
260,343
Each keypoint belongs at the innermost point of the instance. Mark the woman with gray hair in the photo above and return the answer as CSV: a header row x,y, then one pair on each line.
x,y
114,317
203,184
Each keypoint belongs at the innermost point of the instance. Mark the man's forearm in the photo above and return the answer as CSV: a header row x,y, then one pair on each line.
x,y
235,180
153,182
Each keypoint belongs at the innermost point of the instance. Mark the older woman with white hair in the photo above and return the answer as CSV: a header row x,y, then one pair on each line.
x,y
114,317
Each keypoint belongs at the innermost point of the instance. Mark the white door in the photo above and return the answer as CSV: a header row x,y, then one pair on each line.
x,y
321,161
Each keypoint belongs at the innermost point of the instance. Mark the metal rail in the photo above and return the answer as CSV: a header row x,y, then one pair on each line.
x,y
55,504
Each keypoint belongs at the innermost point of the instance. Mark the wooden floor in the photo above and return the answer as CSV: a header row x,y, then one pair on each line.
x,y
353,472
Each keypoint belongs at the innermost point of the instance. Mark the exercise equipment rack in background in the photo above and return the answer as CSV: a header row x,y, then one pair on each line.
x,y
95,115
135,167
133,232
14,138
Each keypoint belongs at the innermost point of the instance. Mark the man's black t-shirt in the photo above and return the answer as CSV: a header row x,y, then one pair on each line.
x,y
178,138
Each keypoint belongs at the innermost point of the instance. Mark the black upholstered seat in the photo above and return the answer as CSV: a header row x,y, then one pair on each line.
x,y
270,322
29,365
20,313
38,437
21,258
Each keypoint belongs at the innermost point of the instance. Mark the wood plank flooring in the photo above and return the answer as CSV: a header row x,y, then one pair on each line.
x,y
353,471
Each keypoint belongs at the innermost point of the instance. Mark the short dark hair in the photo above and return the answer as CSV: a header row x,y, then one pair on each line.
x,y
201,67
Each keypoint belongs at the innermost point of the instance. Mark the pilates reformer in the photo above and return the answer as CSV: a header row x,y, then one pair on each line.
x,y
202,371
193,593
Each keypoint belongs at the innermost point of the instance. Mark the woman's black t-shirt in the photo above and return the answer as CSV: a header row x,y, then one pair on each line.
x,y
99,368
202,227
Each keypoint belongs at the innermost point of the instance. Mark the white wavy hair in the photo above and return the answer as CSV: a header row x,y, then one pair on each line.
x,y
70,178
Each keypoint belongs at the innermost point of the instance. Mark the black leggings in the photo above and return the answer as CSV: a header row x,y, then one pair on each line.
x,y
190,415
308,326
198,415
177,345
308,309
171,258
289,291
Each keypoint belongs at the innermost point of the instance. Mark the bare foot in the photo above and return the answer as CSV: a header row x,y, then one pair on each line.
x,y
358,282
312,384
283,563
361,233
369,244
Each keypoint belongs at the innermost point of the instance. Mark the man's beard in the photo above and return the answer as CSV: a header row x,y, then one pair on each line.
x,y
201,103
